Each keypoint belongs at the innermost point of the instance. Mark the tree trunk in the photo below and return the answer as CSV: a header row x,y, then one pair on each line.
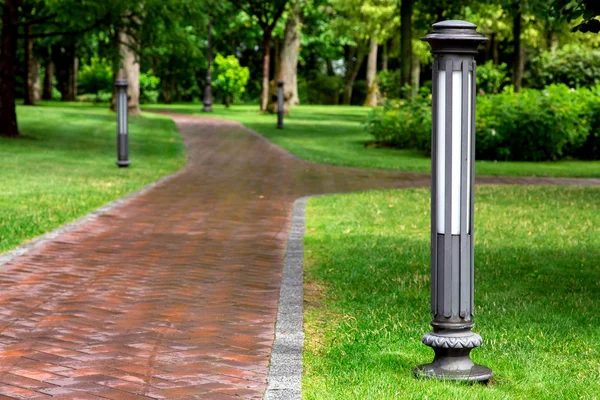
x,y
37,81
48,80
416,75
553,41
30,71
288,63
277,57
372,89
385,57
8,61
355,60
264,96
519,61
67,65
406,11
129,69
167,90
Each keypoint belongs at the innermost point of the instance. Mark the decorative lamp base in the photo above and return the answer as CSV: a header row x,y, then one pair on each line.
x,y
123,164
452,359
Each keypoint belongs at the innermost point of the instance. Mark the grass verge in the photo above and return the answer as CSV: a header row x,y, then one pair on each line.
x,y
537,291
335,135
63,166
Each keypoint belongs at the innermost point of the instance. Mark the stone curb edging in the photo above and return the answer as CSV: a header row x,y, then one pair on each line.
x,y
285,370
40,240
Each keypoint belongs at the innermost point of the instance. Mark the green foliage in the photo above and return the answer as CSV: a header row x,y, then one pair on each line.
x,y
95,76
587,10
403,123
388,84
533,125
492,78
323,89
149,85
574,66
231,78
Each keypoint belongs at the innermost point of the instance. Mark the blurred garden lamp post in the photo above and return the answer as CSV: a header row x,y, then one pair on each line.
x,y
280,104
208,99
122,124
454,46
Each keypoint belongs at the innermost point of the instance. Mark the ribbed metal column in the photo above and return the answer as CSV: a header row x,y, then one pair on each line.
x,y
122,124
454,46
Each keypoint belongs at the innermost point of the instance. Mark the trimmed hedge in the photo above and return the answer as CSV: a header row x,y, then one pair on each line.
x,y
533,125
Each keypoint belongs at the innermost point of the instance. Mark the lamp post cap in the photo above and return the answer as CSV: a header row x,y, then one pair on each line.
x,y
454,36
121,83
454,24
280,83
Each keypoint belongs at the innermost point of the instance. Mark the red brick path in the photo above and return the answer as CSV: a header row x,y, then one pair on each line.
x,y
175,293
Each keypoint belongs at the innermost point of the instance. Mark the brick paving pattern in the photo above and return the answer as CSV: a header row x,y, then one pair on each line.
x,y
174,294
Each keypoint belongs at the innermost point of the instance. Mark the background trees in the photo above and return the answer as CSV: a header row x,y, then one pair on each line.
x,y
326,51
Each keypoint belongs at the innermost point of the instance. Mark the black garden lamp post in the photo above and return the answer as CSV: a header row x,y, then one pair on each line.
x,y
454,46
280,104
208,99
122,124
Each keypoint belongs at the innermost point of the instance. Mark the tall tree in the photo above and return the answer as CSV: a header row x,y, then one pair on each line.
x,y
266,13
47,19
372,89
8,61
406,13
288,56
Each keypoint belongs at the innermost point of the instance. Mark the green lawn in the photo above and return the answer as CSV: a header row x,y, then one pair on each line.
x,y
63,166
335,135
537,293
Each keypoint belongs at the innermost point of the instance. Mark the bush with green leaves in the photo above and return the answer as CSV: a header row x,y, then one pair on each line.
x,y
403,123
231,78
492,78
573,65
95,76
532,125
388,84
149,85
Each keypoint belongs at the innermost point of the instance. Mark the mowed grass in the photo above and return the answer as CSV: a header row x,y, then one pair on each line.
x,y
537,295
63,166
335,135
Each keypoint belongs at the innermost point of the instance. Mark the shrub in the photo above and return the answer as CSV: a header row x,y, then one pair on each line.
x,y
403,123
492,78
231,77
324,89
533,125
95,76
389,84
573,65
149,85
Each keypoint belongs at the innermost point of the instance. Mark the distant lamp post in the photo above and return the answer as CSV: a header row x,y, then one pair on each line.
x,y
280,104
454,46
208,99
122,124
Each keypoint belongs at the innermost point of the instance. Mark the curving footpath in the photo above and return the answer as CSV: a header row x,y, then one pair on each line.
x,y
173,293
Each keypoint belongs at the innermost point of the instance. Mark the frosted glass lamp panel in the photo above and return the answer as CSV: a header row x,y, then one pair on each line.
x,y
469,150
440,151
455,137
456,149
